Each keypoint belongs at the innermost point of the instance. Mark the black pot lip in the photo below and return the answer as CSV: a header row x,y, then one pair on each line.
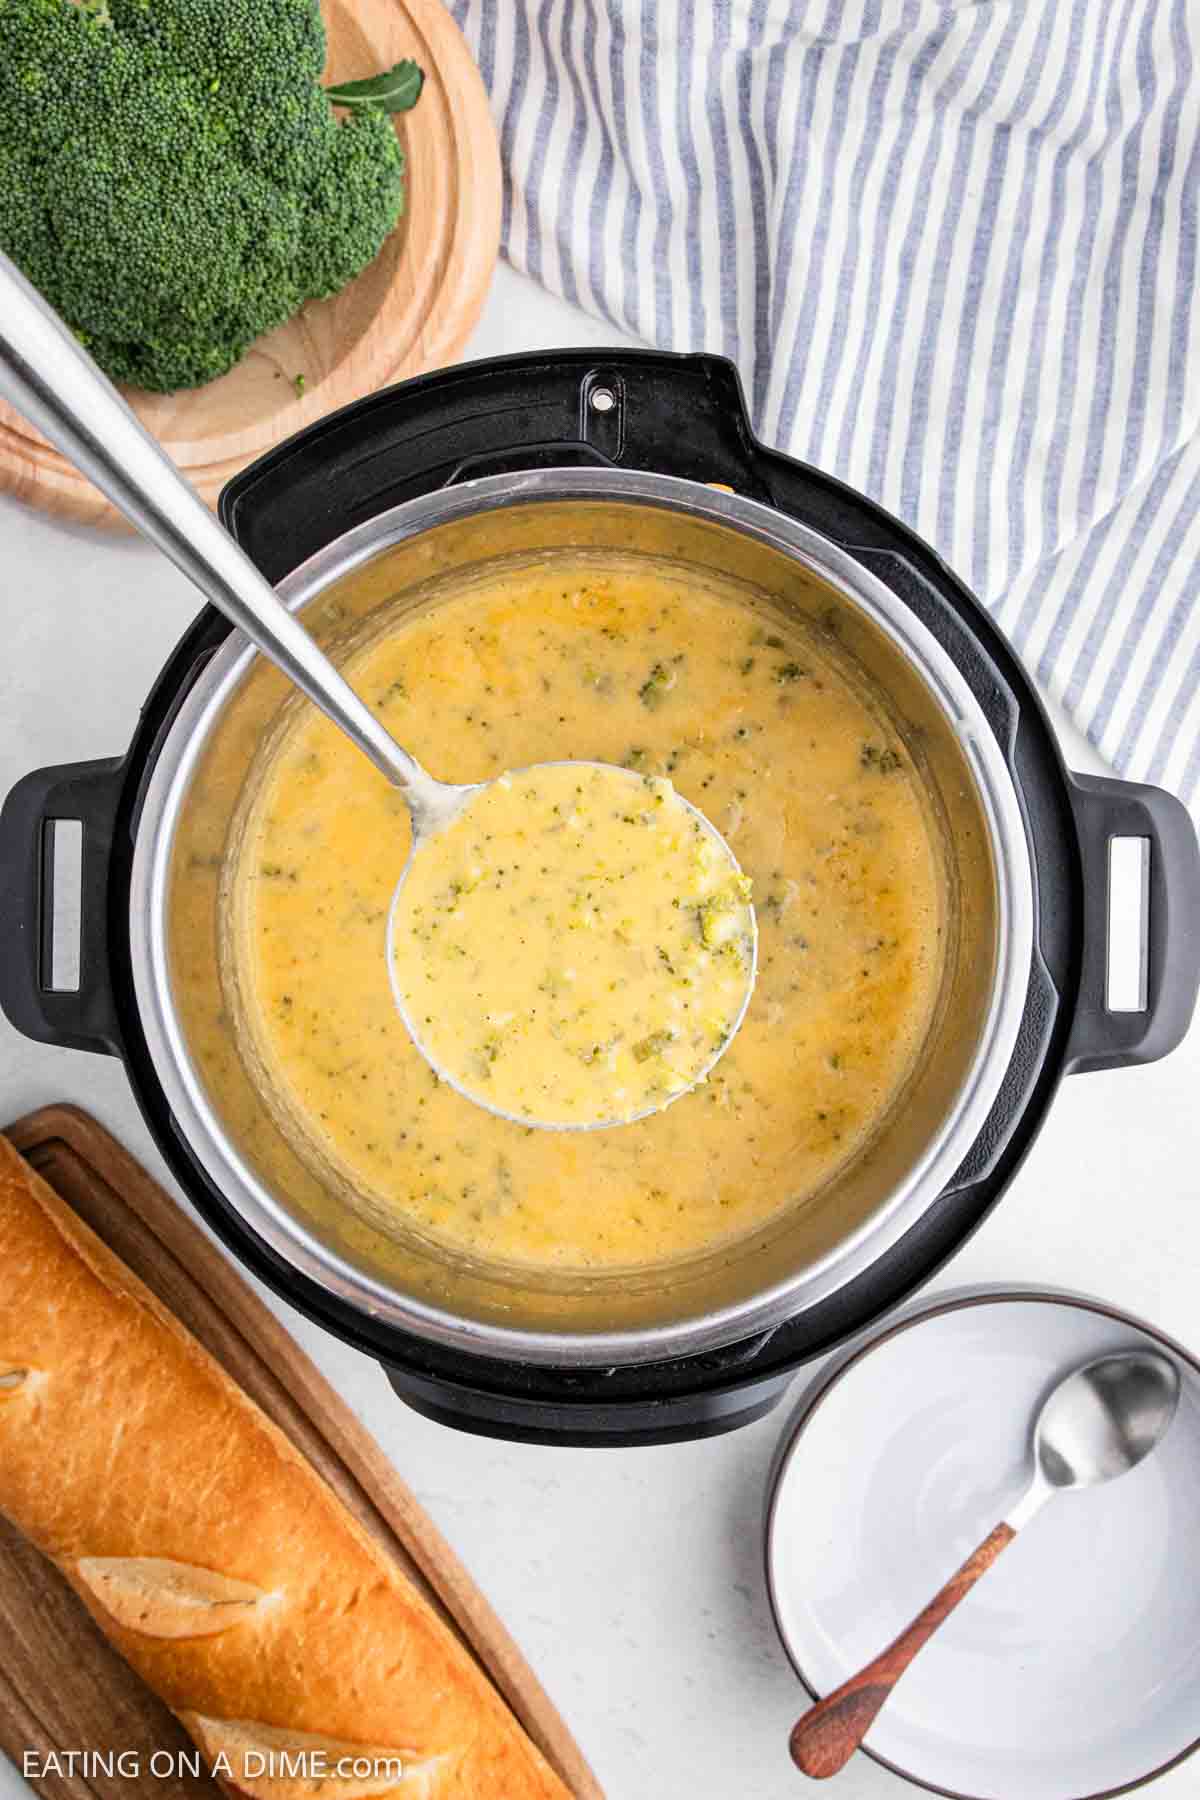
x,y
741,1364
956,1300
737,1291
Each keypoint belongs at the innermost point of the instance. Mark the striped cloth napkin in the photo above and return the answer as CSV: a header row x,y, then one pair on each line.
x,y
952,249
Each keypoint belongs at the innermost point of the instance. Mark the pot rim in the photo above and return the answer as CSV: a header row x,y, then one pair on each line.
x,y
288,1235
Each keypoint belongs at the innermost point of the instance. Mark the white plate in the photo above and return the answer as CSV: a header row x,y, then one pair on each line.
x,y
1073,1670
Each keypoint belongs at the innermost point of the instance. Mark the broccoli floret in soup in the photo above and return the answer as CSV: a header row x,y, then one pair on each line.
x,y
175,179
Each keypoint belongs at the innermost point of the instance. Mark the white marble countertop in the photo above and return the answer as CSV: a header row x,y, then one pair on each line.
x,y
632,1578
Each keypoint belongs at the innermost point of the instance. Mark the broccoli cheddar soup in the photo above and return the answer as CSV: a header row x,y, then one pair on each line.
x,y
576,947
766,728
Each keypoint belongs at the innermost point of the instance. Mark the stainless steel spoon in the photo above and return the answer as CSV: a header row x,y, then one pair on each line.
x,y
49,377
1099,1422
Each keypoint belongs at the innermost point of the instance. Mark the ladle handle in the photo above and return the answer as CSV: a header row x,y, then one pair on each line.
x,y
825,1739
49,377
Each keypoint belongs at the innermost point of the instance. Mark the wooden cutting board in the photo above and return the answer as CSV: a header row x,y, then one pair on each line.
x,y
62,1686
412,310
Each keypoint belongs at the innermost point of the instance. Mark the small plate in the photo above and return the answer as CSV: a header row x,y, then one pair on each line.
x,y
1073,1670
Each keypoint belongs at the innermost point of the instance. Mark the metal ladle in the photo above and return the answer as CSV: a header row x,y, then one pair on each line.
x,y
49,377
1099,1422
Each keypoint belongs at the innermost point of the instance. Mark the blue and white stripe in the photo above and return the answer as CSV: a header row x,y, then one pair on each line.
x,y
953,249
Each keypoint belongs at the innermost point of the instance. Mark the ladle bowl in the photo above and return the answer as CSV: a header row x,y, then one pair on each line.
x,y
699,1065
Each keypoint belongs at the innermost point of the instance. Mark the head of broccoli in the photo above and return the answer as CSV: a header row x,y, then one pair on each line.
x,y
175,179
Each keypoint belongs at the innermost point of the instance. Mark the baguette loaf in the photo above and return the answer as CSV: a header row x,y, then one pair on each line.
x,y
213,1555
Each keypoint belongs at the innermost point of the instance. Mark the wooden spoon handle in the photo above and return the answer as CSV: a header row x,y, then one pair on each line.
x,y
825,1739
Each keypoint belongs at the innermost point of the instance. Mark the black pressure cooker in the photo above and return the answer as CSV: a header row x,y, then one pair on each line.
x,y
416,477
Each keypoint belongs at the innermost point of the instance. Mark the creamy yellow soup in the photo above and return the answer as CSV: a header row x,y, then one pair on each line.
x,y
575,947
762,726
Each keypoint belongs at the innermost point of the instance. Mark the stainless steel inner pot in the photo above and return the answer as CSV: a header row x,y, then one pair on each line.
x,y
217,1088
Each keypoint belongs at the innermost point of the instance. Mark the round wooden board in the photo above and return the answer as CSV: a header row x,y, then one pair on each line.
x,y
412,310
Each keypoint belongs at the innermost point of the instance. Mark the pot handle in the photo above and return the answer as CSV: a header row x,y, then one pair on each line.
x,y
83,1017
1106,809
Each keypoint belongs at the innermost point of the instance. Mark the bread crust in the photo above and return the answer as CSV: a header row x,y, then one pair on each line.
x,y
122,1438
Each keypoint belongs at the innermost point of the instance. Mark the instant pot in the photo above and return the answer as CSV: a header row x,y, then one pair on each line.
x,y
644,452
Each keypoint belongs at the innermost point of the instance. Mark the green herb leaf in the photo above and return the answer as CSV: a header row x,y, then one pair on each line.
x,y
392,92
